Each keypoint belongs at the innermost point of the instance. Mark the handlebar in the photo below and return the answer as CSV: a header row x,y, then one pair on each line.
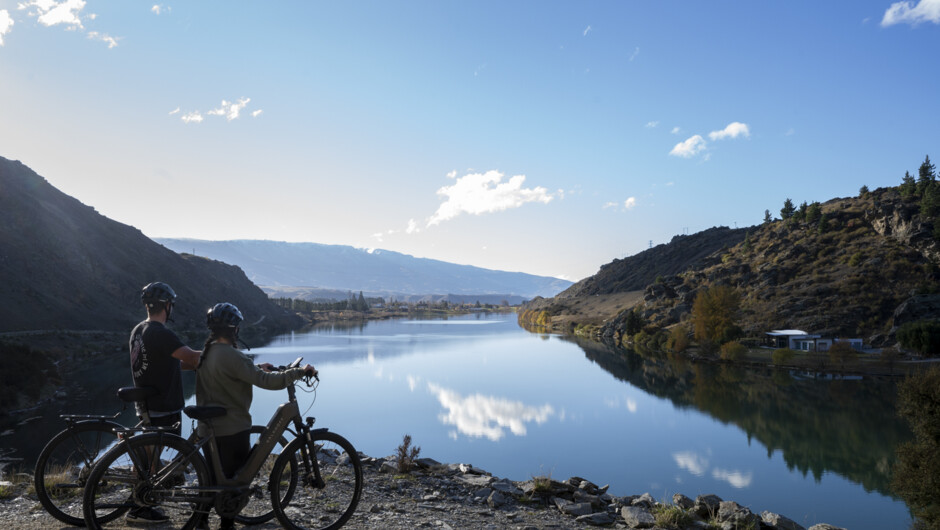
x,y
296,364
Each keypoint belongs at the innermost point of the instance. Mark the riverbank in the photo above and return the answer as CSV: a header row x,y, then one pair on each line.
x,y
452,496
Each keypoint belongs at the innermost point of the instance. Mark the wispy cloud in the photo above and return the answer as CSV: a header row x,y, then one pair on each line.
x,y
175,111
6,24
733,130
652,124
480,193
159,9
230,110
736,478
587,30
412,227
909,13
256,113
192,117
52,13
634,54
675,130
94,35
689,148
691,462
630,203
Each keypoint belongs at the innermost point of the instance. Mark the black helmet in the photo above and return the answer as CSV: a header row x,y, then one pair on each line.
x,y
155,292
223,315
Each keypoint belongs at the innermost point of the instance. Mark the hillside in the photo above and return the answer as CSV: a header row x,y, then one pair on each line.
x,y
66,267
379,272
858,266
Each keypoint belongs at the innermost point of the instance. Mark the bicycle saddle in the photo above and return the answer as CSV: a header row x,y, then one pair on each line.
x,y
133,393
204,412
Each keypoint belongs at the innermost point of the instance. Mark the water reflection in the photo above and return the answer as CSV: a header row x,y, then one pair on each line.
x,y
848,427
487,416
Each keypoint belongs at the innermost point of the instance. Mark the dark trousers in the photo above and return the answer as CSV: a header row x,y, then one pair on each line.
x,y
168,421
233,453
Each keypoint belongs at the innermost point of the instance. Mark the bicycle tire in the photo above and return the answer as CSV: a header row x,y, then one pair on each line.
x,y
64,464
259,509
326,508
119,483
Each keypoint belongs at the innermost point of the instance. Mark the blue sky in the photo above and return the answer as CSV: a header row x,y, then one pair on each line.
x,y
535,136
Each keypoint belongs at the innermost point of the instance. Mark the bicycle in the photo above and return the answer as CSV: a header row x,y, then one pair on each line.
x,y
64,464
316,481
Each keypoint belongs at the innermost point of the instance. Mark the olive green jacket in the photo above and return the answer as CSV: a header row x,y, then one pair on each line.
x,y
225,378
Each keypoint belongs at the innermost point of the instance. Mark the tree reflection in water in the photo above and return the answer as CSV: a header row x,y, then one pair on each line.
x,y
847,427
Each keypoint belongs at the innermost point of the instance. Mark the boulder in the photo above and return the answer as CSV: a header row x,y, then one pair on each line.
x,y
597,519
739,516
706,505
779,522
824,526
637,517
682,501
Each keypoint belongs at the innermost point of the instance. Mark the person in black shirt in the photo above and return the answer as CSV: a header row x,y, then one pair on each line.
x,y
157,358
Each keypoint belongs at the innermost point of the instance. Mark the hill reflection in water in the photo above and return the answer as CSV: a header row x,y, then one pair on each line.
x,y
848,427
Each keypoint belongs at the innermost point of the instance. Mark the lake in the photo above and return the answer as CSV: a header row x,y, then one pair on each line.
x,y
478,389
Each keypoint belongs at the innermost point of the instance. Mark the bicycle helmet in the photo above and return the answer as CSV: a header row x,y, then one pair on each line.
x,y
157,292
223,315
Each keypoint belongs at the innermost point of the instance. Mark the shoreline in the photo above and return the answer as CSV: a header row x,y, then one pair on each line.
x,y
435,495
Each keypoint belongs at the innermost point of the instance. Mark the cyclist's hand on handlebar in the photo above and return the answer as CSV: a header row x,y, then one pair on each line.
x,y
267,367
310,371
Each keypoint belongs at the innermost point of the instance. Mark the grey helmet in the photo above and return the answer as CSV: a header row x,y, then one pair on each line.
x,y
157,292
223,315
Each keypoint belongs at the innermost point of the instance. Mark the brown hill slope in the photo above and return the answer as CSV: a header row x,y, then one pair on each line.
x,y
65,266
860,267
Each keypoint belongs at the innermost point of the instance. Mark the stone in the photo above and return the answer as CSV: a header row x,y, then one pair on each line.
x,y
506,486
596,519
637,517
427,463
496,500
737,515
475,480
706,505
577,508
824,526
388,467
645,500
779,522
682,501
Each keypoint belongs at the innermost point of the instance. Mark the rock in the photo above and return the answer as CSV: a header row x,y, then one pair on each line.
x,y
646,500
597,519
388,467
824,526
779,522
682,501
475,480
637,517
739,516
496,500
706,505
577,508
506,486
427,463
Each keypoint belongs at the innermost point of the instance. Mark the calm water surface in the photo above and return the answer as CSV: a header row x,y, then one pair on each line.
x,y
479,389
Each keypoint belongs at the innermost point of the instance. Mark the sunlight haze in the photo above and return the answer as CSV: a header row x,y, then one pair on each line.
x,y
536,136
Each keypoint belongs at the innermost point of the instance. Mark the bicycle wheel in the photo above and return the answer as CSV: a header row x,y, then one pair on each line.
x,y
158,470
326,508
64,464
259,509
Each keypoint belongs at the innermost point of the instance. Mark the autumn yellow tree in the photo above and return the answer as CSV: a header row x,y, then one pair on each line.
x,y
714,315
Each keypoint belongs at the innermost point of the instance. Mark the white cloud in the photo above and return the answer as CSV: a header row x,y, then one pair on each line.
x,y
52,13
412,227
229,110
175,111
487,416
157,9
480,193
587,30
907,13
610,204
256,113
689,148
192,117
635,53
94,35
651,124
630,203
6,24
733,130
736,478
452,174
693,463
675,130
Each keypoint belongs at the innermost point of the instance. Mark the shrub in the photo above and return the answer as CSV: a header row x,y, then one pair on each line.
x,y
855,259
733,351
405,455
672,517
678,340
782,356
840,352
922,336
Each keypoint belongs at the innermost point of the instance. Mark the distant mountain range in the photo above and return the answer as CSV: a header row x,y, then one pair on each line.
x,y
64,266
276,265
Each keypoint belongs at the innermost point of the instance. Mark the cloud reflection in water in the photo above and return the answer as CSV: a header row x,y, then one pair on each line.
x,y
488,416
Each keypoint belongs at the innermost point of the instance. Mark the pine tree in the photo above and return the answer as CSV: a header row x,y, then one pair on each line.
x,y
767,216
788,209
908,185
813,213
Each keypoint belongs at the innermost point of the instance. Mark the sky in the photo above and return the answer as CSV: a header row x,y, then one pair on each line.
x,y
539,136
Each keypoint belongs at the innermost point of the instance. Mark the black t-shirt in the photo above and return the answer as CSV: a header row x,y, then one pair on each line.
x,y
152,364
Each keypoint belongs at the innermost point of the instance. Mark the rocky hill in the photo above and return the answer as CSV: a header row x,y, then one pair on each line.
x,y
64,266
858,266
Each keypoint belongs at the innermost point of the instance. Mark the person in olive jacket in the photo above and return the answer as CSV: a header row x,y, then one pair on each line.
x,y
225,378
